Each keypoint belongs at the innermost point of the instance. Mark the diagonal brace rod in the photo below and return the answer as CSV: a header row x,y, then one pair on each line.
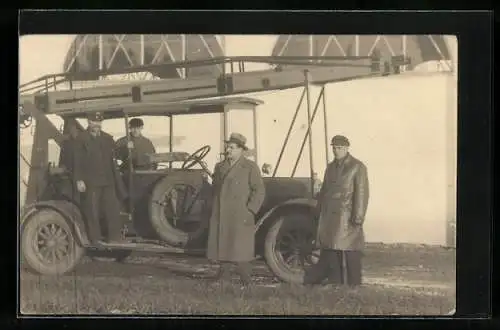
x,y
320,96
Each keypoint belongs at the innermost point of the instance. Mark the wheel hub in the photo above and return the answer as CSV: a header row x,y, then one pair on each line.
x,y
53,245
296,249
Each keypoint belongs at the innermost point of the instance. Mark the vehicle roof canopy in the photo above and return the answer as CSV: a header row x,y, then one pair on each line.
x,y
182,107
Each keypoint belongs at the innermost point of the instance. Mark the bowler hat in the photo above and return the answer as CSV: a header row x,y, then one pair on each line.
x,y
340,140
136,122
239,139
95,116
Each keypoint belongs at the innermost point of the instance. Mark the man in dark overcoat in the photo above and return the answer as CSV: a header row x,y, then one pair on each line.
x,y
239,192
66,161
97,179
342,205
66,158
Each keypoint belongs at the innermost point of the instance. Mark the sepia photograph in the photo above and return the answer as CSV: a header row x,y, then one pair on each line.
x,y
197,174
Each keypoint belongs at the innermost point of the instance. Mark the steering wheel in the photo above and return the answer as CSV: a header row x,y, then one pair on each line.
x,y
197,158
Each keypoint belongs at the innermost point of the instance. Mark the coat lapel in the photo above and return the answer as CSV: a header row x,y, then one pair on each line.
x,y
347,164
224,169
86,140
344,165
231,169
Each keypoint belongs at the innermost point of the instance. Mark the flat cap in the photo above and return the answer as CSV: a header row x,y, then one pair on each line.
x,y
340,140
136,122
95,116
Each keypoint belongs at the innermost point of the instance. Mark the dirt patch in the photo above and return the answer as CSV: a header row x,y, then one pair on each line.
x,y
398,281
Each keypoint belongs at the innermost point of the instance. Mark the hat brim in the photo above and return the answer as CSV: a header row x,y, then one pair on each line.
x,y
241,145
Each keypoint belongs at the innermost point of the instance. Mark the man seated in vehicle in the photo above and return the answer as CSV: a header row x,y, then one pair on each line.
x,y
141,147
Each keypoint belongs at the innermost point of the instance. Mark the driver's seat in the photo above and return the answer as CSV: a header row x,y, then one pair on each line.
x,y
167,157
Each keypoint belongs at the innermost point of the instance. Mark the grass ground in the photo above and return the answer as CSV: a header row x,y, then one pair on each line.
x,y
399,280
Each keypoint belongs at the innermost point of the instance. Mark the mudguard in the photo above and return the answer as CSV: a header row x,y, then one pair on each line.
x,y
301,202
69,210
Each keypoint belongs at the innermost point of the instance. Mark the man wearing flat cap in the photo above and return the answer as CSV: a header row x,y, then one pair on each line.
x,y
342,205
141,148
98,181
238,196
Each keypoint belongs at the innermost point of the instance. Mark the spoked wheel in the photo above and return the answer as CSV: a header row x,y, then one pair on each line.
x,y
181,206
48,244
289,246
179,209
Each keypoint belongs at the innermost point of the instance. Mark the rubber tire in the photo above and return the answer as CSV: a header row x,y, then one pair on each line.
x,y
160,225
28,235
299,218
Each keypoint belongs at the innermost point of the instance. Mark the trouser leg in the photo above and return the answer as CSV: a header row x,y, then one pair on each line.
x,y
318,272
244,269
112,213
223,271
91,207
335,272
354,267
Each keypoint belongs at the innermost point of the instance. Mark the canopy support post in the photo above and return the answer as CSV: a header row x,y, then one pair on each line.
x,y
309,127
255,136
170,138
130,168
325,123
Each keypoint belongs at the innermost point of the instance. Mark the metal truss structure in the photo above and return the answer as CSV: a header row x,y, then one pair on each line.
x,y
94,52
195,95
420,48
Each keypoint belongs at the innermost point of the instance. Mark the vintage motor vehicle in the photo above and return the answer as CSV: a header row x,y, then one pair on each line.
x,y
169,207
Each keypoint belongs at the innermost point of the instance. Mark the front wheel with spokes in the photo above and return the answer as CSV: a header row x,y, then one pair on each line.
x,y
49,245
289,246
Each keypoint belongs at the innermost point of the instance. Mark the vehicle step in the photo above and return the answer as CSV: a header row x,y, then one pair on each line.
x,y
146,247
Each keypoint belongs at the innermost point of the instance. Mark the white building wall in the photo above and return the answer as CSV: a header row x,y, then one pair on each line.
x,y
403,128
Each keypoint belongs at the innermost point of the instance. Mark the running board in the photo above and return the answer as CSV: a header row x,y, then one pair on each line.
x,y
146,247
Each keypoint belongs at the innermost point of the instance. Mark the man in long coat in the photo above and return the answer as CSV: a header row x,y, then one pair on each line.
x,y
97,179
238,195
66,160
342,205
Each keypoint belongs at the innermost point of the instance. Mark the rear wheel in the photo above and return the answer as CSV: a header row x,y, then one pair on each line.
x,y
289,246
49,245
